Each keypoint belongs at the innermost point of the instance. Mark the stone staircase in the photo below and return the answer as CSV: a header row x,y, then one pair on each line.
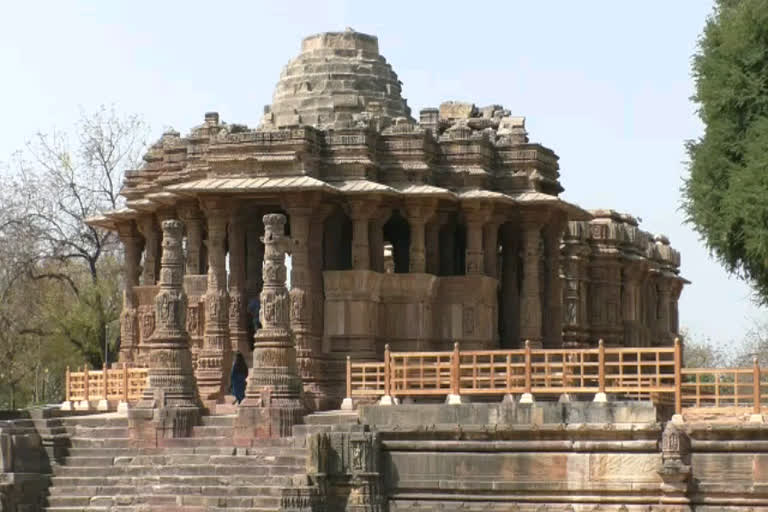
x,y
103,471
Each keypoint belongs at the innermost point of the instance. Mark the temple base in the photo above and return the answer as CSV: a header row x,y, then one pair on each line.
x,y
151,427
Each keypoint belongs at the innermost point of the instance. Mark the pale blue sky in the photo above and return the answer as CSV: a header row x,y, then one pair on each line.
x,y
604,83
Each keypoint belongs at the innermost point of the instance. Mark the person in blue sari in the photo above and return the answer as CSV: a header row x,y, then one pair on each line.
x,y
238,378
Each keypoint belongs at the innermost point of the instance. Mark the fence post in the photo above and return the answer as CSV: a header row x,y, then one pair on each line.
x,y
387,398
527,396
86,387
68,391
125,383
600,396
347,404
756,407
679,377
105,384
387,370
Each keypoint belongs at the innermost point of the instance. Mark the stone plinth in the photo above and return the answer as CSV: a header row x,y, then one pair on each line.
x,y
273,398
169,406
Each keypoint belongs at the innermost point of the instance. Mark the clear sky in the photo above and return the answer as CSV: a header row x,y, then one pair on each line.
x,y
606,84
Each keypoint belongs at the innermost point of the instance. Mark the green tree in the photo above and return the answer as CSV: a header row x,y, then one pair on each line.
x,y
725,197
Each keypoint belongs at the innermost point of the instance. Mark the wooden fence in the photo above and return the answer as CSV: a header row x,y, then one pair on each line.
x,y
631,373
124,384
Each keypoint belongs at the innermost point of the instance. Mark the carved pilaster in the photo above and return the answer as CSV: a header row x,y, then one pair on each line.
x,y
416,221
360,212
664,301
238,328
475,259
274,387
675,471
376,237
131,241
193,222
215,354
510,298
530,296
491,248
553,234
575,260
151,235
171,384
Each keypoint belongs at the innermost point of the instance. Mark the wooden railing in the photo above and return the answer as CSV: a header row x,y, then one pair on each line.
x,y
124,384
633,372
724,387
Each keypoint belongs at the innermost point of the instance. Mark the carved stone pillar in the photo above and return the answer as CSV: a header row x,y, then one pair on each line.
x,y
302,289
171,384
416,255
491,249
215,354
359,212
530,296
475,259
273,396
433,247
149,231
131,241
376,238
554,291
663,310
193,222
630,304
510,298
575,259
238,327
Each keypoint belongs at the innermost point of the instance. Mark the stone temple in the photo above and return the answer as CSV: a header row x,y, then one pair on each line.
x,y
450,334
417,233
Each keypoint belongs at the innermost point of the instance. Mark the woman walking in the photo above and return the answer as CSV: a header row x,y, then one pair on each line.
x,y
238,378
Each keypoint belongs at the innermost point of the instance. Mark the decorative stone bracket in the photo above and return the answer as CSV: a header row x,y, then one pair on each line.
x,y
675,456
344,467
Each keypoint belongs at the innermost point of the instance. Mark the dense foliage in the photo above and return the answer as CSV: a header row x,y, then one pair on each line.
x,y
726,195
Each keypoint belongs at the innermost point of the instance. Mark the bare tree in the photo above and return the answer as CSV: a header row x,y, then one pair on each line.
x,y
54,185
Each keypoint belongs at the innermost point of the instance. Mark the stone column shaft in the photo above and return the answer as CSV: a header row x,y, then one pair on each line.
x,y
193,223
238,328
530,299
510,299
149,231
215,354
433,248
274,381
128,319
490,249
360,212
554,323
475,259
171,382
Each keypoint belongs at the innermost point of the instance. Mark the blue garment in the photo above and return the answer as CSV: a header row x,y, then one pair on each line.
x,y
238,378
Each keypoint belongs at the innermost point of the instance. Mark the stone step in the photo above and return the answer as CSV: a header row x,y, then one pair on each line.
x,y
95,421
197,480
223,500
213,431
181,490
71,461
90,442
130,470
307,430
102,432
218,421
159,508
332,418
275,458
